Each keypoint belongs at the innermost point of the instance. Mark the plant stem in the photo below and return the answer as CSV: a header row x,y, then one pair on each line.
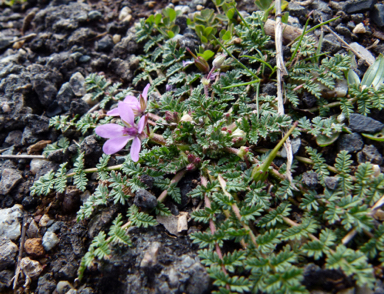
x,y
238,62
180,174
241,84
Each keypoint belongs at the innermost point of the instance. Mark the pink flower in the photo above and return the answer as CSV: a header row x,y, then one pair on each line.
x,y
138,106
118,136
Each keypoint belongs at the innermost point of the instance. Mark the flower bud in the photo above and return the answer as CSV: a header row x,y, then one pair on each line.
x,y
243,151
191,158
191,167
341,117
202,64
186,117
171,117
219,60
205,81
239,137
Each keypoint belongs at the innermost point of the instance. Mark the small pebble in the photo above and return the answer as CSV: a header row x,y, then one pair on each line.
x,y
31,268
63,287
127,18
45,221
34,247
151,4
359,29
199,7
125,11
116,38
50,240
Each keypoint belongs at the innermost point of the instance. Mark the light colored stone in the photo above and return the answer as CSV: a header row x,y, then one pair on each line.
x,y
31,268
128,18
199,7
87,98
363,53
183,8
50,240
124,12
37,164
359,29
10,222
63,287
45,221
77,82
150,256
116,38
9,178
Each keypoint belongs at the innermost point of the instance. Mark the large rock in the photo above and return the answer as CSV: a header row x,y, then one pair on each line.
x,y
10,222
350,142
8,251
358,6
9,179
363,124
377,15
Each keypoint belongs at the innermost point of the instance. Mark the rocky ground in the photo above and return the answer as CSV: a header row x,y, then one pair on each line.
x,y
46,50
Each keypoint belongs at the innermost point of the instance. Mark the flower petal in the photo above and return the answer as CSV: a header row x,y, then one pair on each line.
x,y
113,112
109,131
115,144
130,99
135,149
145,92
126,113
141,125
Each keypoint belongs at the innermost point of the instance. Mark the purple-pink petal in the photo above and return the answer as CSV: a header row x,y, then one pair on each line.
x,y
135,149
140,126
145,92
115,144
126,113
130,99
109,131
113,112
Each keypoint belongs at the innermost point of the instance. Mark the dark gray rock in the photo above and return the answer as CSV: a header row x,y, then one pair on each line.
x,y
269,89
321,6
8,251
147,180
30,202
44,82
319,16
63,268
199,281
145,200
105,44
100,63
65,96
78,107
53,109
6,278
357,18
358,6
363,124
377,15
63,17
350,142
343,30
122,68
369,154
126,46
351,25
46,284
296,10
87,290
331,182
90,145
14,138
81,36
28,137
101,221
310,179
331,44
309,99
38,123
9,179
